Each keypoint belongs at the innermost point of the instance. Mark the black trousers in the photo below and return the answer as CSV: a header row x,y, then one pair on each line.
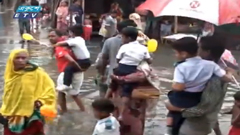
x,y
71,69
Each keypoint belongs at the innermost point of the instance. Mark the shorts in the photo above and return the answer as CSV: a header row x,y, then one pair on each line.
x,y
77,81
181,99
184,99
127,88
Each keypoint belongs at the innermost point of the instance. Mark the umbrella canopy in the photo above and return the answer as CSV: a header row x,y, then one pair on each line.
x,y
217,12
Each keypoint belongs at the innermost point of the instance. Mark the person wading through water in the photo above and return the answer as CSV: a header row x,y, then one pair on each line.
x,y
27,87
64,57
201,119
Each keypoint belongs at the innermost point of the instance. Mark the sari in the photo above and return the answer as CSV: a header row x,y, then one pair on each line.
x,y
21,91
62,13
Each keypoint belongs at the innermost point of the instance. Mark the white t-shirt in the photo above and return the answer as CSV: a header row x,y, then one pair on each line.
x,y
107,126
132,53
79,47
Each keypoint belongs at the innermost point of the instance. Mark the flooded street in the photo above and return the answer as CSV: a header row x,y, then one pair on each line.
x,y
77,123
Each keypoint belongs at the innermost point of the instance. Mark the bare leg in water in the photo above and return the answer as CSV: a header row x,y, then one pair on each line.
x,y
125,103
79,103
62,102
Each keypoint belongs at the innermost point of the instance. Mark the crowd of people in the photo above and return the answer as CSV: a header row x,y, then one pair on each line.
x,y
198,88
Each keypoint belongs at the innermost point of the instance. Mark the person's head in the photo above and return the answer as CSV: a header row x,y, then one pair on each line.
x,y
77,2
236,97
63,3
166,22
135,17
115,5
17,60
113,14
54,36
211,47
125,23
184,48
75,31
129,34
102,108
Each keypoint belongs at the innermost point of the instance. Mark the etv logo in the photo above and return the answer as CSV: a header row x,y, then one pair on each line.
x,y
27,12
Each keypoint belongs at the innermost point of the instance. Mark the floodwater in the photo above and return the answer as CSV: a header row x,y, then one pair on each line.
x,y
82,123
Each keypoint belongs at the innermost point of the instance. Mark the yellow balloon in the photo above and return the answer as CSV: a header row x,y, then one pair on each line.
x,y
152,45
27,36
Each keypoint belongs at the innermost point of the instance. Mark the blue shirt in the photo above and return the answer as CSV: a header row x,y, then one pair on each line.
x,y
195,73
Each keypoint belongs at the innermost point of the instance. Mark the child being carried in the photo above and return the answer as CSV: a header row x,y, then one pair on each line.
x,y
79,48
190,77
129,56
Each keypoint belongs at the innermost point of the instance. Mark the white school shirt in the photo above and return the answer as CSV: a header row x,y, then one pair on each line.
x,y
132,53
79,47
107,126
195,73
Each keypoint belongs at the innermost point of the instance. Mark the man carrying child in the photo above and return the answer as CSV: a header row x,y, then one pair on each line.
x,y
81,53
190,77
64,57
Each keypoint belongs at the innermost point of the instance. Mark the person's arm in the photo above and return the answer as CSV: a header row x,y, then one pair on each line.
x,y
226,76
236,121
148,57
62,43
178,80
47,94
70,59
61,52
121,52
209,99
105,57
69,42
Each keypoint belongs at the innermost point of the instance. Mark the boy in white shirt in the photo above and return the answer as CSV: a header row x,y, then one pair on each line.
x,y
191,74
81,53
107,124
129,56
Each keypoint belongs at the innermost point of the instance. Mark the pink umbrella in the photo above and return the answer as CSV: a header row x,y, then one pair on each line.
x,y
217,12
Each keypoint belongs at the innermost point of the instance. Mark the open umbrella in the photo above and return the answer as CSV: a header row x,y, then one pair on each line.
x,y
217,12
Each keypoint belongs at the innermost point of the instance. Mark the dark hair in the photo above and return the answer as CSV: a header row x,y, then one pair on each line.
x,y
77,30
103,105
215,45
58,32
130,32
236,96
186,44
23,1
125,23
65,2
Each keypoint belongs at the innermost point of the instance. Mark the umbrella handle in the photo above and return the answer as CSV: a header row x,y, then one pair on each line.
x,y
234,79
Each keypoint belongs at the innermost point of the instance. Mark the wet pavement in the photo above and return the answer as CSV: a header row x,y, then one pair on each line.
x,y
82,123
